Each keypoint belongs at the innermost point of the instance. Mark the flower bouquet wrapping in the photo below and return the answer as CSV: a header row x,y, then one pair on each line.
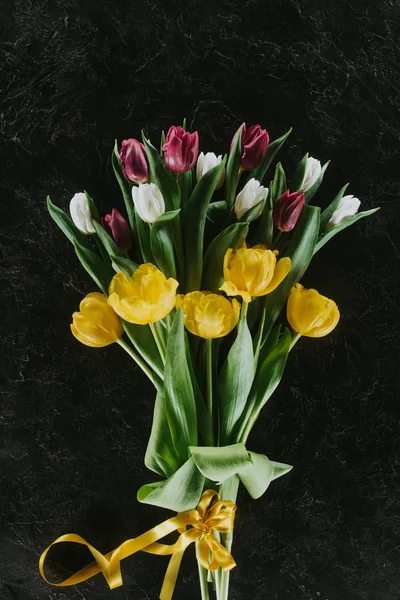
x,y
200,285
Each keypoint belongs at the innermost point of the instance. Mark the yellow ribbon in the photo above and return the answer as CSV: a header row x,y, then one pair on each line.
x,y
211,515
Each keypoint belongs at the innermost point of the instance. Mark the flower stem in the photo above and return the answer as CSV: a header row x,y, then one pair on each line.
x,y
227,491
209,376
158,341
202,578
137,359
276,239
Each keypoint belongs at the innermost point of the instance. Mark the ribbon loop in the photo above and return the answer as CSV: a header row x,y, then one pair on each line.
x,y
211,514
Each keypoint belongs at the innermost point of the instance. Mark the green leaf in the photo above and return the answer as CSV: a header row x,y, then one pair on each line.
x,y
328,212
232,168
265,383
160,456
143,231
309,194
260,472
124,264
342,225
67,225
300,250
194,219
298,175
252,213
265,230
108,243
232,237
273,148
162,242
125,186
179,393
217,211
143,340
99,270
235,381
219,464
92,207
162,177
179,493
279,185
204,420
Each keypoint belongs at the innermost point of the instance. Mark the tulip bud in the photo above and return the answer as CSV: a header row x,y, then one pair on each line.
x,y
251,194
287,210
311,314
208,315
312,173
180,149
118,228
149,201
205,163
254,146
80,213
134,163
253,271
146,297
96,324
348,207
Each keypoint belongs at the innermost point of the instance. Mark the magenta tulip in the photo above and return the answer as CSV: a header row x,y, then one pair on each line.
x,y
117,226
134,163
180,149
254,146
287,210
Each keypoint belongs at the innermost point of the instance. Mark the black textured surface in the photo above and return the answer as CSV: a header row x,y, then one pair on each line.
x,y
75,74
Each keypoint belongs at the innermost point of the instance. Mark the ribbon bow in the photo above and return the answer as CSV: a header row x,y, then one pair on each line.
x,y
197,525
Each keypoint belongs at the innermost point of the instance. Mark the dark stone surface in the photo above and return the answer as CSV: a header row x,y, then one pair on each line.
x,y
74,421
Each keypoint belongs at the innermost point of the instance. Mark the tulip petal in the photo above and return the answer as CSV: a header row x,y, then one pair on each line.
x,y
282,268
231,290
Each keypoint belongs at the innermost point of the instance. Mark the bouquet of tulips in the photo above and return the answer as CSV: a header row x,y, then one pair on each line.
x,y
196,284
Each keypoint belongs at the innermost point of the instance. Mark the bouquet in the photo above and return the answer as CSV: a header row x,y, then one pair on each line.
x,y
200,284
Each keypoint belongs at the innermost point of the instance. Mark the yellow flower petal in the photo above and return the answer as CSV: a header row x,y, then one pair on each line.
x,y
282,268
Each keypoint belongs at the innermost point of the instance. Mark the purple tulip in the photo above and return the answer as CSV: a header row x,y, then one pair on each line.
x,y
117,226
254,146
287,210
134,163
180,149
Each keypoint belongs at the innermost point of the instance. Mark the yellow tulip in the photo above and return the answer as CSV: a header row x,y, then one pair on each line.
x,y
253,271
208,315
145,298
96,324
311,314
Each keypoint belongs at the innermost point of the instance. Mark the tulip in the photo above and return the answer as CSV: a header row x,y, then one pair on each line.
x,y
145,298
287,210
348,207
96,324
251,194
254,146
205,163
253,272
311,314
134,163
80,213
119,229
180,149
208,315
149,201
311,175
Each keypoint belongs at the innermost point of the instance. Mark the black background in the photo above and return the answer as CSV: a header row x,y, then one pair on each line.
x,y
75,74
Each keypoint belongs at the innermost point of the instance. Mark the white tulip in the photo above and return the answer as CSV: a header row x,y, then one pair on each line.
x,y
348,207
313,171
251,194
205,163
80,213
149,201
